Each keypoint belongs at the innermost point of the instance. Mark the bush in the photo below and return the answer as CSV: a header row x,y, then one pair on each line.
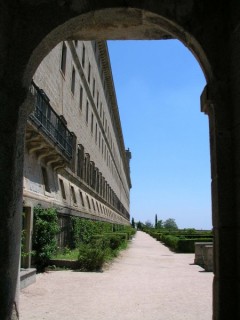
x,y
188,245
90,258
109,240
44,235
83,230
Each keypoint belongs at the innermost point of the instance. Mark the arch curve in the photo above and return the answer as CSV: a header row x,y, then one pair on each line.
x,y
117,24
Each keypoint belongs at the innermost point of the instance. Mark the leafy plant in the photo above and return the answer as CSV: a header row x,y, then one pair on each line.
x,y
90,258
44,235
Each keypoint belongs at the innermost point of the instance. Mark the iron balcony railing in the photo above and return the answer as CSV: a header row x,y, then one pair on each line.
x,y
50,123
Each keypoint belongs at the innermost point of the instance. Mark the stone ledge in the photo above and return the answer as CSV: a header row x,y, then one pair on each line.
x,y
204,255
27,277
71,264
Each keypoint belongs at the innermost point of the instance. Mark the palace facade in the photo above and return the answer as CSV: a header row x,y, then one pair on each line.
x,y
75,158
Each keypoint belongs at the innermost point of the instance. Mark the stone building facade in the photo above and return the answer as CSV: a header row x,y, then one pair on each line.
x,y
75,159
30,29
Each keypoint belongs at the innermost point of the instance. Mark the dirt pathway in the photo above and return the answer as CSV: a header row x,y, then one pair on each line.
x,y
147,282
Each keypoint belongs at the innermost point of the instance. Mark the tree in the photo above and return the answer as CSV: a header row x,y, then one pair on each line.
x,y
133,223
139,225
170,224
156,221
148,224
159,224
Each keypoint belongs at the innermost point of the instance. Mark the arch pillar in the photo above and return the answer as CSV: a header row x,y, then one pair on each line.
x,y
215,102
11,163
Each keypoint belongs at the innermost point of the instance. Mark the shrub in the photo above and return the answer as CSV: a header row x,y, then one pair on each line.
x,y
90,258
44,235
109,240
188,245
83,230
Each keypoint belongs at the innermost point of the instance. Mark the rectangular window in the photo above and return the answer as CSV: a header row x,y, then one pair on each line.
x,y
89,206
96,132
89,72
45,179
99,138
64,58
97,98
92,121
80,161
87,107
62,189
83,55
93,205
81,198
73,81
73,196
93,87
97,207
81,97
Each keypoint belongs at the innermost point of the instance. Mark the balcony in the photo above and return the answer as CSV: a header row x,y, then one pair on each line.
x,y
47,134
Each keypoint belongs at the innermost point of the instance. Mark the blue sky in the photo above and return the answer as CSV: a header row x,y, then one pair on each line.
x,y
158,86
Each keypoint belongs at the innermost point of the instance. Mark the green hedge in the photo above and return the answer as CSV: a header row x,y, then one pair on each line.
x,y
180,240
182,245
109,240
188,245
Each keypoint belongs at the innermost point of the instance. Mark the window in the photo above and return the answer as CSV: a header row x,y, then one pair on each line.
x,y
81,97
96,132
97,98
97,207
92,120
87,107
101,110
73,81
81,198
94,82
89,72
89,206
64,58
45,179
95,46
80,161
76,43
62,189
83,55
99,140
73,196
93,205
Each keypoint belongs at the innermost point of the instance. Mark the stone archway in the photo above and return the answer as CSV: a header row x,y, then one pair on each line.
x,y
30,29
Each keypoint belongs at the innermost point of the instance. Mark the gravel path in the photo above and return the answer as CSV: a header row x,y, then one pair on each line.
x,y
147,282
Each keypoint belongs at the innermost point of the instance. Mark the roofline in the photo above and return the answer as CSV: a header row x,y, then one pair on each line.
x,y
103,49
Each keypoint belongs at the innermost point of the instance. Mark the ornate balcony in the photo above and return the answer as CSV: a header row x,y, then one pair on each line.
x,y
47,134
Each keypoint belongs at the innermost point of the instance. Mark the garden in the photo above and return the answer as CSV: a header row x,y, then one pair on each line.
x,y
93,243
181,241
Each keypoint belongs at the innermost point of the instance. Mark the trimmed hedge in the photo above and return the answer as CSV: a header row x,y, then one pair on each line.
x,y
179,240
